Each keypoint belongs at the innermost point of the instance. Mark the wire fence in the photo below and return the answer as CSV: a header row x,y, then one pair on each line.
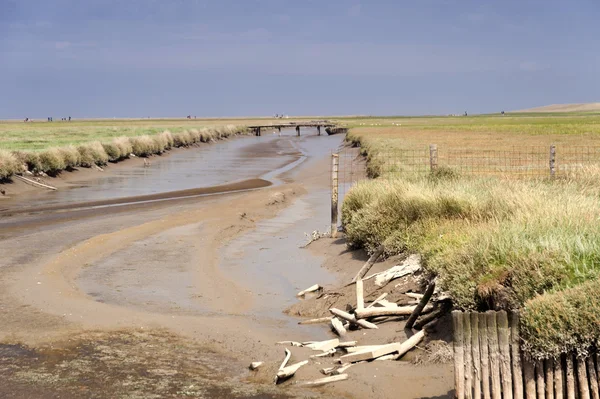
x,y
510,162
513,162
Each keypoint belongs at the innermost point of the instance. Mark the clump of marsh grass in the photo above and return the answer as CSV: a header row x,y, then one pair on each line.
x,y
92,154
31,160
71,156
143,146
9,165
52,161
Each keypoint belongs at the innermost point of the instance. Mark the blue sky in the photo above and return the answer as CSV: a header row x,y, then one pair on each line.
x,y
136,58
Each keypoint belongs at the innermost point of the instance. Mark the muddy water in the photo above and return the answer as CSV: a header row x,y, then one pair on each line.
x,y
208,165
274,266
271,256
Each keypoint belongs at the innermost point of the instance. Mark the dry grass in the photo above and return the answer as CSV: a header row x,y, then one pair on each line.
x,y
9,164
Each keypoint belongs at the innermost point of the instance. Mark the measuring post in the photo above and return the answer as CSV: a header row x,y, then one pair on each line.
x,y
433,156
552,160
335,161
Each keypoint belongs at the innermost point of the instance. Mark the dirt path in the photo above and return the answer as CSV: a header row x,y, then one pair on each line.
x,y
172,299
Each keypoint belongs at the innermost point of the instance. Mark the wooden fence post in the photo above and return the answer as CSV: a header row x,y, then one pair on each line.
x,y
503,343
515,346
570,377
559,391
582,379
476,355
485,357
549,370
492,333
552,160
459,365
593,378
433,156
540,378
467,353
335,161
529,376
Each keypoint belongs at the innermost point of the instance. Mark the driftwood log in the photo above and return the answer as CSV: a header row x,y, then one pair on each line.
x,y
369,264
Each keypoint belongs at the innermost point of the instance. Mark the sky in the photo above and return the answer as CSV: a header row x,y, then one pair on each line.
x,y
217,58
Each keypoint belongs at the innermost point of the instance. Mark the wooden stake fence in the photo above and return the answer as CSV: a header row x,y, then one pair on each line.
x,y
489,363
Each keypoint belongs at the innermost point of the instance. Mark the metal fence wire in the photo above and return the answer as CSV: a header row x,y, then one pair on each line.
x,y
511,162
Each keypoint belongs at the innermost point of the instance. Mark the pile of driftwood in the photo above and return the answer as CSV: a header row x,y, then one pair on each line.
x,y
366,316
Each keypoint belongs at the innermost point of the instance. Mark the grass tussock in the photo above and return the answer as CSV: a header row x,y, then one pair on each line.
x,y
496,244
52,161
9,165
92,154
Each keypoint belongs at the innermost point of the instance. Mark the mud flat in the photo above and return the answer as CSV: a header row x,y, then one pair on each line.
x,y
173,296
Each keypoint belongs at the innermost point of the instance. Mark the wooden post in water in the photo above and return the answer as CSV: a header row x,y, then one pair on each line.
x,y
559,390
468,352
319,129
539,375
433,156
485,357
504,345
492,331
529,376
552,160
570,377
476,355
298,130
459,364
335,160
582,379
593,377
258,131
549,370
515,348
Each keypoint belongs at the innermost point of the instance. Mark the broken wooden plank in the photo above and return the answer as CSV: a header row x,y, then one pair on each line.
x,y
324,345
352,319
435,314
338,327
399,311
293,343
367,266
324,354
360,300
312,288
401,348
414,295
419,308
288,354
346,344
379,298
316,321
385,304
289,371
363,348
411,265
34,183
255,365
324,380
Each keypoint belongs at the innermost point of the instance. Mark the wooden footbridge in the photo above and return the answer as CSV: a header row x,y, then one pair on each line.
x,y
297,126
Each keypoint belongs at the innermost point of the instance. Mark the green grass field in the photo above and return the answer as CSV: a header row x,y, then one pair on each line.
x,y
495,243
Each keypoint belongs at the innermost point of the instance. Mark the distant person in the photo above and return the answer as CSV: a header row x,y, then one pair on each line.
x,y
26,120
69,119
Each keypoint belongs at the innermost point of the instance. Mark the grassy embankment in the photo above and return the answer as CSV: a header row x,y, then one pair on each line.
x,y
56,146
495,243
